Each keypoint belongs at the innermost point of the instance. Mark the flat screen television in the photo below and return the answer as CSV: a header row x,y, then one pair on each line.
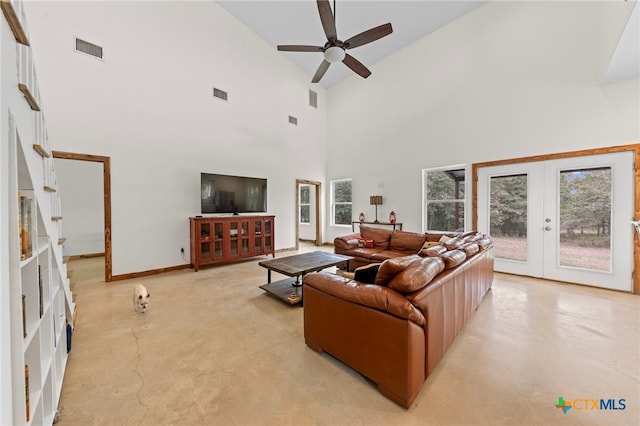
x,y
232,194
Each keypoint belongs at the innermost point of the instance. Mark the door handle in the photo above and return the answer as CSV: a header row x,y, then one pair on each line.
x,y
547,228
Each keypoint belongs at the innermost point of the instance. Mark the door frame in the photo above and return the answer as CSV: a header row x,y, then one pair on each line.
x,y
106,180
318,186
636,209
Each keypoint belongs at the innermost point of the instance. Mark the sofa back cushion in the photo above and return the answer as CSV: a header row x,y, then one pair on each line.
x,y
391,267
434,251
453,258
470,248
417,275
380,236
406,242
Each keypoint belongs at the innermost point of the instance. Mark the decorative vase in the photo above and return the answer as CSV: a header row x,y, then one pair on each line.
x,y
361,217
392,217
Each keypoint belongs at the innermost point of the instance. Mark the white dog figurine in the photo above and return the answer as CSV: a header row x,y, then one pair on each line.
x,y
140,298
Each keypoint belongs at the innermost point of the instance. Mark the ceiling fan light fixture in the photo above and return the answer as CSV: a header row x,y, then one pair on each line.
x,y
334,54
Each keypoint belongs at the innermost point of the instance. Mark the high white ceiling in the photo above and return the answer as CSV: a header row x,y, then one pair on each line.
x,y
298,22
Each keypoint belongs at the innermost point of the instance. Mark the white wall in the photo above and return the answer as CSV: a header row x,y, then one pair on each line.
x,y
81,189
510,79
149,107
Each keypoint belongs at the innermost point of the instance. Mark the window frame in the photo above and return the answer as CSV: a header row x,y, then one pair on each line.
x,y
334,203
466,201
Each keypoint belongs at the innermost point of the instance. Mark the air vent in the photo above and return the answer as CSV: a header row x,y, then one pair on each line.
x,y
293,120
313,99
88,48
221,94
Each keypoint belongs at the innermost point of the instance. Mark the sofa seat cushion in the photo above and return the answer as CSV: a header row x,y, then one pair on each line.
x,y
417,275
361,252
406,242
380,236
373,296
392,267
383,255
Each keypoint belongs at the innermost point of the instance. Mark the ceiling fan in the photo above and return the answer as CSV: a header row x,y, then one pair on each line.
x,y
334,49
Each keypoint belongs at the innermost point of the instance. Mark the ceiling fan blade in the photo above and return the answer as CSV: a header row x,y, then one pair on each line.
x,y
326,16
324,66
356,66
368,36
299,48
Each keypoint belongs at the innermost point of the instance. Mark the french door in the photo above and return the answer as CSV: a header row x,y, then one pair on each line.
x,y
564,219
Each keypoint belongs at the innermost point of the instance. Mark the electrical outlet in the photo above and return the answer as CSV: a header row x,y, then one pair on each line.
x,y
182,250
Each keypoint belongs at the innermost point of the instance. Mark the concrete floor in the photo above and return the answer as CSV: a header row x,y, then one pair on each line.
x,y
214,349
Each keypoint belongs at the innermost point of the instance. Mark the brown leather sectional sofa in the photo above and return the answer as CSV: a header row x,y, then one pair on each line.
x,y
395,330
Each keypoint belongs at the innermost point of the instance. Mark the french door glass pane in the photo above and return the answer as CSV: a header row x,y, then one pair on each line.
x,y
508,216
585,218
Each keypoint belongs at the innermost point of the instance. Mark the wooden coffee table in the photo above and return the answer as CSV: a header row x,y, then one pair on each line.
x,y
289,290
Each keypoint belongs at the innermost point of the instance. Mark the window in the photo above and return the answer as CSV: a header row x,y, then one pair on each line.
x,y
444,199
341,202
305,205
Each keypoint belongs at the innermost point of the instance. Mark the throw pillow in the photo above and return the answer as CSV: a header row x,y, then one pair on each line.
x,y
391,267
366,274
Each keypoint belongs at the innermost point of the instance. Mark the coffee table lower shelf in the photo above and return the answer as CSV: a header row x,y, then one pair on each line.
x,y
285,290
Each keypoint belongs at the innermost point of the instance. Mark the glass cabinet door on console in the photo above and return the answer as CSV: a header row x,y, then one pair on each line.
x,y
233,239
268,235
206,241
244,237
218,246
257,236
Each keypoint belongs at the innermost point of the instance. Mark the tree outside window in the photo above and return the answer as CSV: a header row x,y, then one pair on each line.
x,y
444,199
341,202
305,205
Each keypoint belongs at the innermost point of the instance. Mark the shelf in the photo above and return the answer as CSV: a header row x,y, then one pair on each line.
x,y
14,23
28,96
40,150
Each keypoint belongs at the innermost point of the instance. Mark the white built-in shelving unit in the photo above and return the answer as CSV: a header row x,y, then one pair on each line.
x,y
37,311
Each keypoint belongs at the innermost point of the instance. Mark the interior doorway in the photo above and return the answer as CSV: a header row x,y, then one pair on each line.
x,y
106,189
308,212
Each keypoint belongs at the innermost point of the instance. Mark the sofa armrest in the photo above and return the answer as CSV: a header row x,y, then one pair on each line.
x,y
370,295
